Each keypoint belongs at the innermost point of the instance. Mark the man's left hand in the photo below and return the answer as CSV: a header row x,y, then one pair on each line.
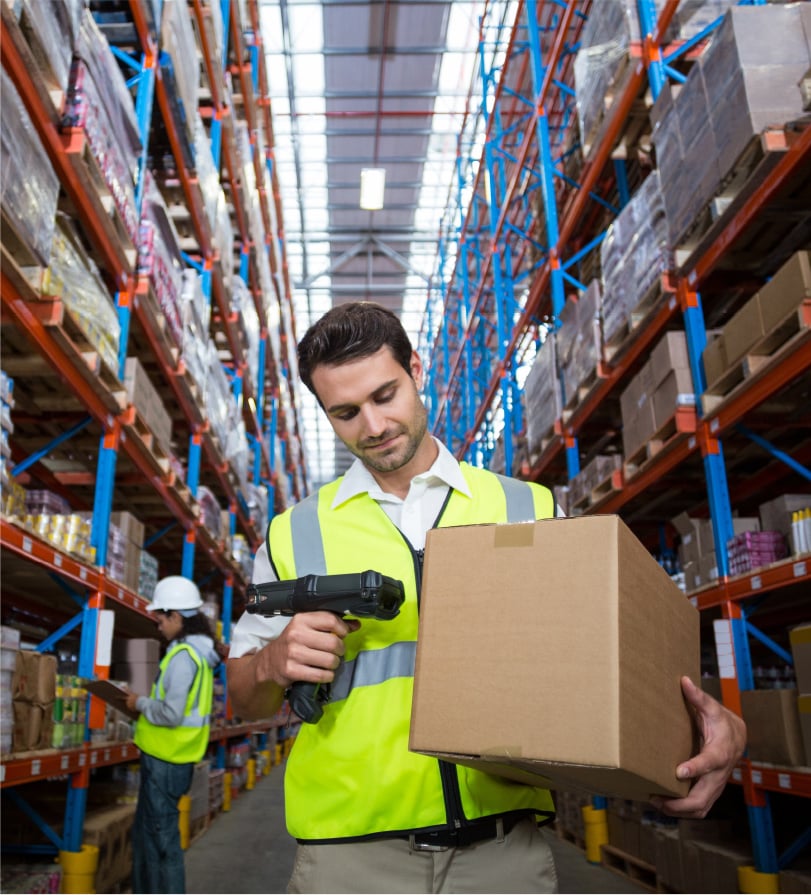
x,y
723,740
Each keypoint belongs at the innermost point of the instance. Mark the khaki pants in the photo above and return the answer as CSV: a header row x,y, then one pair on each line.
x,y
521,862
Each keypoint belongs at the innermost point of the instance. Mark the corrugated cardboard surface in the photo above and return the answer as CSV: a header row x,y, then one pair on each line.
x,y
554,649
773,726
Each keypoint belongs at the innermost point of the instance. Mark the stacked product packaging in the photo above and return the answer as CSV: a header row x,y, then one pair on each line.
x,y
741,85
99,103
29,187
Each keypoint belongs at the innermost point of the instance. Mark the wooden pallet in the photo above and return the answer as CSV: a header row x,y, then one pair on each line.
x,y
580,393
683,422
629,867
136,428
793,332
80,153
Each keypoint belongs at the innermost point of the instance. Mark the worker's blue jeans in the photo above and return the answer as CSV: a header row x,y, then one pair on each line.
x,y
157,858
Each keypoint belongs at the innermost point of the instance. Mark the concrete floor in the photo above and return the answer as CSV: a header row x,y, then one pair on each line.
x,y
248,850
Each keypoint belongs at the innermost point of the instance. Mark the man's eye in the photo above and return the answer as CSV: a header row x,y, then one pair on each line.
x,y
384,399
346,415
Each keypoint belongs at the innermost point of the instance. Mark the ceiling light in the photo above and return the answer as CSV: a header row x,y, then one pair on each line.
x,y
372,185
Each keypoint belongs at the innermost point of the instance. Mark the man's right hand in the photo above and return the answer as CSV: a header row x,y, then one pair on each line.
x,y
309,648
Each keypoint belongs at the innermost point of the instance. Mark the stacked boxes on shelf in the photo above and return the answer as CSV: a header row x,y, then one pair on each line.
x,y
758,329
9,646
633,257
34,693
697,548
541,397
800,640
136,661
143,395
99,104
741,85
652,397
579,341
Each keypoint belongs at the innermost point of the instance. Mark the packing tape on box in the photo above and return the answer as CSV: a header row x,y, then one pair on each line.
x,y
517,535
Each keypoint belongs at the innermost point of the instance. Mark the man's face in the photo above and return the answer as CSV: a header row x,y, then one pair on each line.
x,y
374,408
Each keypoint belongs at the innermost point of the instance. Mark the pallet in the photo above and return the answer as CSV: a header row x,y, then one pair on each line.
x,y
581,392
79,152
683,422
614,90
197,827
136,428
790,335
629,867
759,158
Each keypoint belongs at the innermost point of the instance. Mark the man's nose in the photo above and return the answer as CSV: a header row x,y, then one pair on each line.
x,y
374,420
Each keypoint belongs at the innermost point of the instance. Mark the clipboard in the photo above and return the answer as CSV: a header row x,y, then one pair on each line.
x,y
112,693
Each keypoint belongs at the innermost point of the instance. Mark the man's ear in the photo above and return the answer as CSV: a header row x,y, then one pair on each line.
x,y
416,370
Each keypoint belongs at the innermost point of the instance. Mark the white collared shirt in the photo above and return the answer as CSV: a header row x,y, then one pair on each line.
x,y
414,515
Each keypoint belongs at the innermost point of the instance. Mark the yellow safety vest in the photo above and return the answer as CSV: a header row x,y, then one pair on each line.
x,y
188,741
351,776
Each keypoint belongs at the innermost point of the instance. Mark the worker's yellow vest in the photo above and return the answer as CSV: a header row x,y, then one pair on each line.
x,y
351,775
188,741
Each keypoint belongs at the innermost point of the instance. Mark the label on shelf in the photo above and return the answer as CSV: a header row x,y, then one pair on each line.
x,y
36,767
799,569
27,545
757,777
58,560
784,781
755,582
63,763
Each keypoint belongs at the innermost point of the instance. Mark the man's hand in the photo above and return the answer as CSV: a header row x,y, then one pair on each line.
x,y
132,699
723,740
309,648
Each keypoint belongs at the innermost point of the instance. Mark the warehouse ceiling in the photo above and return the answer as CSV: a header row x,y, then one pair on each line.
x,y
377,84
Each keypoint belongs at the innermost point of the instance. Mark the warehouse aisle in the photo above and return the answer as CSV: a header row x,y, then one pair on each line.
x,y
248,850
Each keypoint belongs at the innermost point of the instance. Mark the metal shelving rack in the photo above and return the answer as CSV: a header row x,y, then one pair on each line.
x,y
502,274
270,413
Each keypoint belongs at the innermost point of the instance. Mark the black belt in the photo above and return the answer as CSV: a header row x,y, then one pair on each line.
x,y
476,831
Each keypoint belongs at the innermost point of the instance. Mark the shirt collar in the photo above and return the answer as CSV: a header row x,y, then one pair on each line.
x,y
358,479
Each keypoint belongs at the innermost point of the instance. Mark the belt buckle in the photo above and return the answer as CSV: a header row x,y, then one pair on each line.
x,y
413,845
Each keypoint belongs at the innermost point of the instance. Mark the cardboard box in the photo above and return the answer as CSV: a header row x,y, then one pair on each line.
x,y
742,331
142,393
715,360
137,649
582,658
34,677
669,354
773,726
775,515
800,640
674,391
786,290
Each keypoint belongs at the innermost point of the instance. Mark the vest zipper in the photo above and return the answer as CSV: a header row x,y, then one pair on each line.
x,y
451,793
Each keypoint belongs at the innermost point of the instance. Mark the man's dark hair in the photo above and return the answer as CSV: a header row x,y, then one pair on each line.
x,y
350,331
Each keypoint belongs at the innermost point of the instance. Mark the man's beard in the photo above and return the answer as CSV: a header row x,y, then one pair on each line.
x,y
401,456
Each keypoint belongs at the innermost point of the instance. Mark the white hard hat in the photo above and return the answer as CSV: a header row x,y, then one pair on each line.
x,y
175,593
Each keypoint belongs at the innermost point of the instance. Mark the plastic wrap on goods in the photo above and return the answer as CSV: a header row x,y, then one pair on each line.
x,y
29,187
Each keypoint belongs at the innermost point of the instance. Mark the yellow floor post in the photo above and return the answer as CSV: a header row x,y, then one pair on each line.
x,y
251,780
184,807
226,791
79,869
752,881
596,823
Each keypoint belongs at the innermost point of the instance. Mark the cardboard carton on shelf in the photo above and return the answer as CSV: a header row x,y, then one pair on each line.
x,y
579,637
773,726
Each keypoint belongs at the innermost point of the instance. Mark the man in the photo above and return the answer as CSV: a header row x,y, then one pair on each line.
x,y
369,815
